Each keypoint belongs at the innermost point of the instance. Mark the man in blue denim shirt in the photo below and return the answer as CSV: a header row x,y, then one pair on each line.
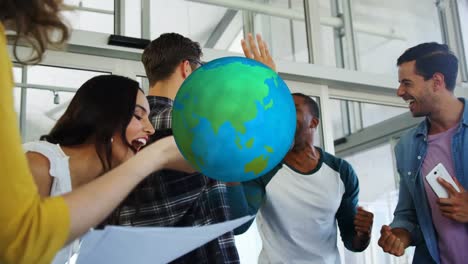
x,y
438,227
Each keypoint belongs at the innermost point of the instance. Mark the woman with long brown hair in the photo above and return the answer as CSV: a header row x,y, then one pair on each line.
x,y
34,229
105,124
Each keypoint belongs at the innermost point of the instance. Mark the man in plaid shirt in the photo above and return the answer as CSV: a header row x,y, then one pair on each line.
x,y
173,198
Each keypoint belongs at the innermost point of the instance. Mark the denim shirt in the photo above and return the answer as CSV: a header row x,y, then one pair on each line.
x,y
412,212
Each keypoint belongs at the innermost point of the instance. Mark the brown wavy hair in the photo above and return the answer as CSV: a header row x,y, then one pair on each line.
x,y
38,22
103,105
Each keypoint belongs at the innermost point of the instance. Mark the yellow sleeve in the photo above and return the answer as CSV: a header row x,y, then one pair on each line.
x,y
32,229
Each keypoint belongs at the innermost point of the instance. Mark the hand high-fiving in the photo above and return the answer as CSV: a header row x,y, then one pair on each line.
x,y
456,206
260,53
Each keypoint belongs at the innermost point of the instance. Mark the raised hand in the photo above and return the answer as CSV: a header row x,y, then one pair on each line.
x,y
260,53
456,206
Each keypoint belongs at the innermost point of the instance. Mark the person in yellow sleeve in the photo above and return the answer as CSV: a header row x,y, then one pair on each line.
x,y
34,229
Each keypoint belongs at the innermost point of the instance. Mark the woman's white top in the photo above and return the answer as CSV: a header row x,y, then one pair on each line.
x,y
61,184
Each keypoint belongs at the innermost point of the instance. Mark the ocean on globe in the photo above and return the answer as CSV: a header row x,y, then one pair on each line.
x,y
234,119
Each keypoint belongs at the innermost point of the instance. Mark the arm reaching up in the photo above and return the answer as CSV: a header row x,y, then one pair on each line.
x,y
259,53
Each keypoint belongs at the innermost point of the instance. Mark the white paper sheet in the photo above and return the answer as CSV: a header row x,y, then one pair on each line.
x,y
123,245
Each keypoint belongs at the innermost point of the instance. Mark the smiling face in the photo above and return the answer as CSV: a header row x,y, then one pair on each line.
x,y
136,133
416,91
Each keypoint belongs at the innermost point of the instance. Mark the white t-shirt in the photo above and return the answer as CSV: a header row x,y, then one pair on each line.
x,y
61,184
297,222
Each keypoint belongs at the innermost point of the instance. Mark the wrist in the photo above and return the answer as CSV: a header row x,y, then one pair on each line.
x,y
361,241
362,235
404,236
148,161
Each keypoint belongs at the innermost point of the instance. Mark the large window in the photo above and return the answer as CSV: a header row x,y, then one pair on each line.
x,y
17,76
349,117
329,34
48,91
385,29
378,194
43,109
375,170
217,29
55,76
463,12
286,37
103,16
375,113
222,28
132,19
91,15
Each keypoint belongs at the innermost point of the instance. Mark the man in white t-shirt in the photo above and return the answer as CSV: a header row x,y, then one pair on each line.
x,y
311,191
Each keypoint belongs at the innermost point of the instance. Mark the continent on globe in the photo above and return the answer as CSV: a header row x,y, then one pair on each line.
x,y
234,119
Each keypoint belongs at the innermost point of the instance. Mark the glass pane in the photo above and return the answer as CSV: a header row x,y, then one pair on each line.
x,y
373,113
355,116
144,83
378,194
463,11
351,116
411,24
139,79
236,43
375,171
62,77
44,107
318,133
132,23
17,77
286,39
221,28
42,111
346,117
328,44
101,4
166,17
339,130
17,74
17,101
327,35
91,21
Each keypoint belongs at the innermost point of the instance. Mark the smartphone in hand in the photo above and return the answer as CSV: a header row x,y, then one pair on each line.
x,y
440,171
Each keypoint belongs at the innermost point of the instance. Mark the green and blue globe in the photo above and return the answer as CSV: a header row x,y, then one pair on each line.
x,y
234,119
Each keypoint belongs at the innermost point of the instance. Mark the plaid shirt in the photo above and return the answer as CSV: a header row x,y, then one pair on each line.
x,y
173,198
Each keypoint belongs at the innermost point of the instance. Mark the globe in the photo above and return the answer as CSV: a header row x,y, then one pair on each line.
x,y
234,119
